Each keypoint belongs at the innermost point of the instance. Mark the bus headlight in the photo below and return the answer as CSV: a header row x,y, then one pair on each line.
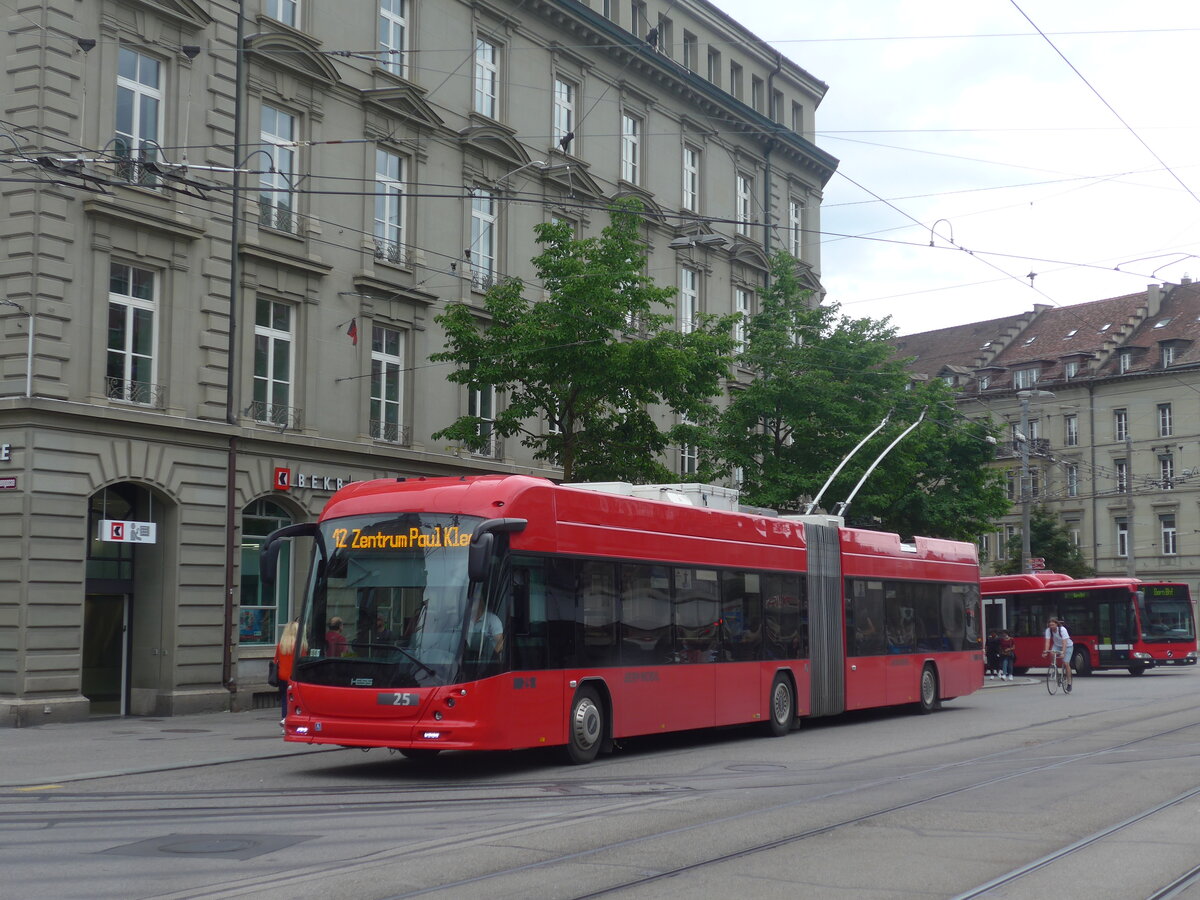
x,y
1138,654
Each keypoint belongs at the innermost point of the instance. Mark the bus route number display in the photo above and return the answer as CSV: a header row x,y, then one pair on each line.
x,y
413,538
1162,590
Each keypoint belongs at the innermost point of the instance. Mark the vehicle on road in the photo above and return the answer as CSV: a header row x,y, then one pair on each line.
x,y
1116,623
507,612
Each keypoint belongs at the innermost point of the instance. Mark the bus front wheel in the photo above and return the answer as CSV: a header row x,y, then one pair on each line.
x,y
585,728
929,691
1137,670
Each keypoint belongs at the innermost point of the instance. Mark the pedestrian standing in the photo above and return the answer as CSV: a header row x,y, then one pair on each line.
x,y
285,654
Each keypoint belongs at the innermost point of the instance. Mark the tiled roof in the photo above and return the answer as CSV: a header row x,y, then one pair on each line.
x,y
1090,336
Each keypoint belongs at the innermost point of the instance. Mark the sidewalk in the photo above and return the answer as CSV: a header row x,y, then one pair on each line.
x,y
76,751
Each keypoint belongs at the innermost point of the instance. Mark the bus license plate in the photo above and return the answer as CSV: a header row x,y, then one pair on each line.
x,y
396,699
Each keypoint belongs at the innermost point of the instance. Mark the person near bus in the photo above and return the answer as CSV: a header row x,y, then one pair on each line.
x,y
992,654
1008,652
285,653
335,641
1058,639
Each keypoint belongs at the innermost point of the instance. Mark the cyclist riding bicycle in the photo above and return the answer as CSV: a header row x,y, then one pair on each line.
x,y
1059,640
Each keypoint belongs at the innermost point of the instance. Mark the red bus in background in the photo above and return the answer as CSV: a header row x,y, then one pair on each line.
x,y
1115,623
508,612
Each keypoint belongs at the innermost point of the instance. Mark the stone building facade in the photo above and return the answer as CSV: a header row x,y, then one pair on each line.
x,y
342,172
1111,396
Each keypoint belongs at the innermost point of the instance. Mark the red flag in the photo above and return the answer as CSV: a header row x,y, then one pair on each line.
x,y
353,332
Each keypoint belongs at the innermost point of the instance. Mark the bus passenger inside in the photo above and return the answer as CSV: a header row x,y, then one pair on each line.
x,y
485,631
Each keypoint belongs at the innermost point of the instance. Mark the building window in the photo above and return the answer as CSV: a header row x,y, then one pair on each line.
x,y
741,307
1121,471
611,10
1164,420
1010,484
689,459
691,51
273,363
390,207
776,111
563,127
393,35
745,203
735,80
1035,482
1168,356
797,118
1072,472
261,616
1170,535
689,299
483,239
666,37
487,79
1072,428
285,11
1074,532
139,115
714,66
1070,369
796,228
482,404
691,179
130,369
631,148
276,204
985,381
1120,425
1122,537
1124,361
756,93
1025,378
387,383
1166,473
638,22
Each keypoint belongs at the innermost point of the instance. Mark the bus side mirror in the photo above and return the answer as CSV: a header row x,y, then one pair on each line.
x,y
480,556
268,555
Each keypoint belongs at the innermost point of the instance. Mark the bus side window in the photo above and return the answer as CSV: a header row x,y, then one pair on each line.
x,y
563,622
528,620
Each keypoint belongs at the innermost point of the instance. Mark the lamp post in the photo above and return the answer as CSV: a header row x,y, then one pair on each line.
x,y
1026,499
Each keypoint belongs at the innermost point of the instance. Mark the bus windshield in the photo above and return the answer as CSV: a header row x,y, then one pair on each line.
x,y
1166,613
386,601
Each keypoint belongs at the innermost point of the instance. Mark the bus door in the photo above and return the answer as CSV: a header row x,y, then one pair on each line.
x,y
1115,640
995,614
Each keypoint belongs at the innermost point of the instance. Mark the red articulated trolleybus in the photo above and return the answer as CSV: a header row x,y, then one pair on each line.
x,y
1115,623
506,612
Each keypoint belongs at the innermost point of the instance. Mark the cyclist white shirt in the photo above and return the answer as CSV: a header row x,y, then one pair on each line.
x,y
1061,640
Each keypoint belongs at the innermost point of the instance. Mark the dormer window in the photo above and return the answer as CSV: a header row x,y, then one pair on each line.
x,y
1070,369
1161,323
1025,378
984,381
1124,361
1168,356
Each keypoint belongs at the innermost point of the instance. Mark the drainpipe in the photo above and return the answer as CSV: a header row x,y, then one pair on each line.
x,y
232,367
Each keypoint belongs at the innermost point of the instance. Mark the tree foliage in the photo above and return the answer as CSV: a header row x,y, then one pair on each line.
x,y
1049,540
822,381
592,359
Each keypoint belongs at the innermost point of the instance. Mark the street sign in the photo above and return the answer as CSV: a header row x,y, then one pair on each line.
x,y
1037,562
127,532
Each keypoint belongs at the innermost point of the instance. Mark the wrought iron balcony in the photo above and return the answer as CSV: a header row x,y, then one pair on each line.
x,y
391,432
282,417
280,218
483,279
391,252
141,393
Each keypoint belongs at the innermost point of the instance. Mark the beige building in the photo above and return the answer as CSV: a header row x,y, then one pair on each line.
x,y
343,178
1109,393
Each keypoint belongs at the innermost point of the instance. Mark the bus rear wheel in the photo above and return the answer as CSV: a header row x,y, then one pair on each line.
x,y
783,706
585,728
928,701
1081,662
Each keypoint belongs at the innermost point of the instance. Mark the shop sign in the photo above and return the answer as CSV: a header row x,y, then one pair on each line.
x,y
121,532
8,483
285,480
5,452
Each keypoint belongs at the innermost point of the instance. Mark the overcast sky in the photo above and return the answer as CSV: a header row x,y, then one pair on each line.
x,y
963,112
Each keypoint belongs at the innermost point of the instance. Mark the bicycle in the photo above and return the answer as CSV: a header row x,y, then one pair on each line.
x,y
1054,674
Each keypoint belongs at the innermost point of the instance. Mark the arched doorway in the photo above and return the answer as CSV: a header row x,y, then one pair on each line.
x,y
123,596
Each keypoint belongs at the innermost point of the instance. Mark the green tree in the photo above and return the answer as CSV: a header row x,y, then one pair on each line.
x,y
822,382
594,358
1049,540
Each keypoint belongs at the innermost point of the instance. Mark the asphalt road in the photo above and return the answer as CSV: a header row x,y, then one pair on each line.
x,y
979,799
